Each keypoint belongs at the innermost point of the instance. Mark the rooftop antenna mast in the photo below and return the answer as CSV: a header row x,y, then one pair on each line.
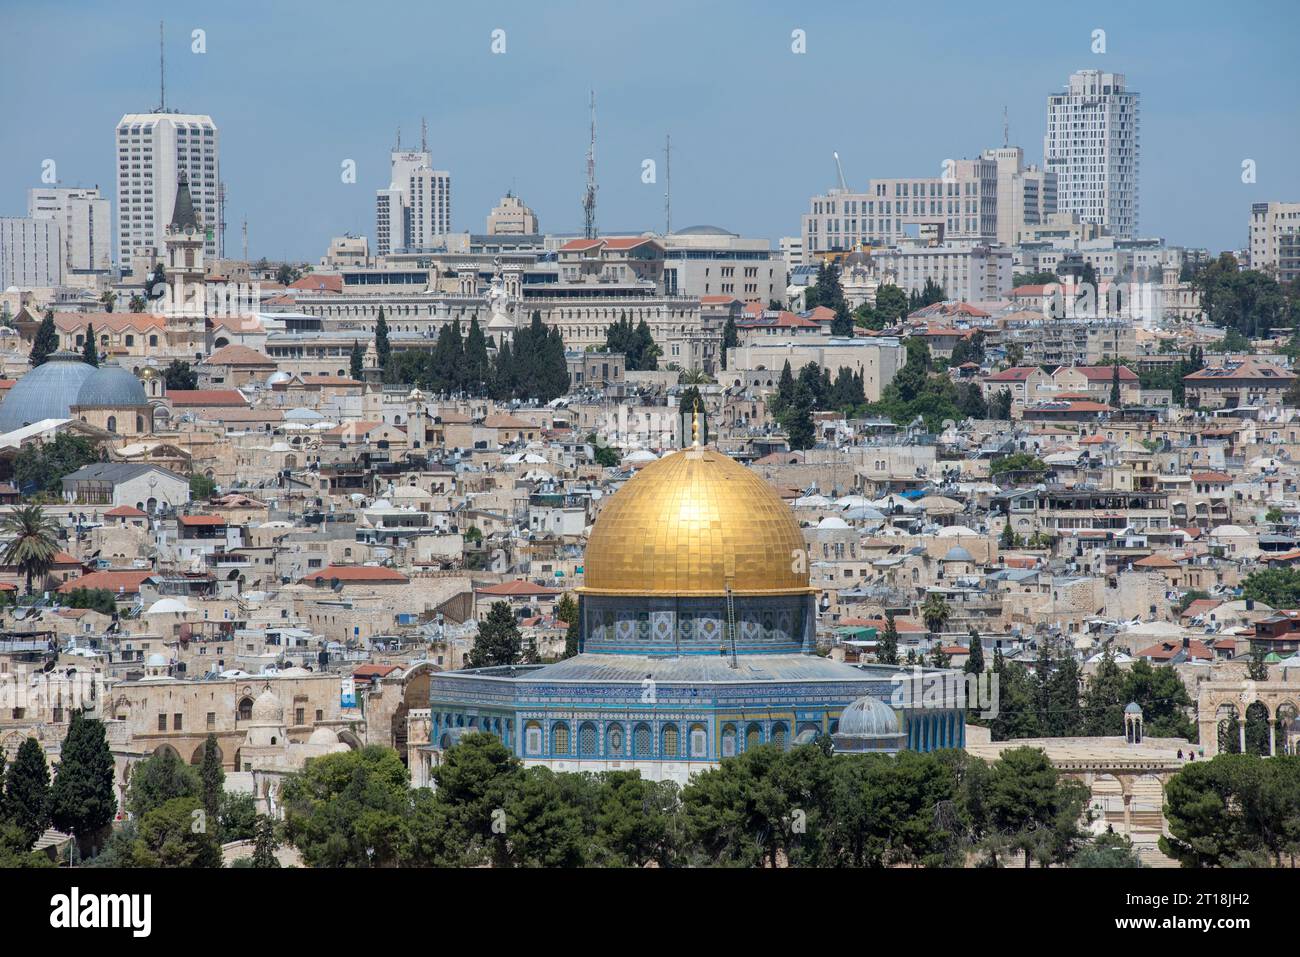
x,y
839,168
162,71
589,200
1006,129
245,239
424,136
668,184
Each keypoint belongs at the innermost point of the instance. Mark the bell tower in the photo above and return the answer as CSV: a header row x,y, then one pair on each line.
x,y
184,303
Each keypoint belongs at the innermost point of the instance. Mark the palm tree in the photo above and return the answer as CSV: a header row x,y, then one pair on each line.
x,y
107,299
935,611
33,541
694,376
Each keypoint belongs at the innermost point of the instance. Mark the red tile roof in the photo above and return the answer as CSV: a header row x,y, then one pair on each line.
x,y
201,520
126,581
125,511
1014,374
204,397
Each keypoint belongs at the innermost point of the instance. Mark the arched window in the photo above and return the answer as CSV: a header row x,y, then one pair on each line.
x,y
560,738
533,738
245,709
617,743
753,736
729,741
671,735
642,742
699,741
778,734
587,739
112,423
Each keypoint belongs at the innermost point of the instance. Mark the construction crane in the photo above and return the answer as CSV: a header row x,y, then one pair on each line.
x,y
840,169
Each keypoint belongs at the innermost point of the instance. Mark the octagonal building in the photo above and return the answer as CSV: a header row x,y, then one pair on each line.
x,y
698,627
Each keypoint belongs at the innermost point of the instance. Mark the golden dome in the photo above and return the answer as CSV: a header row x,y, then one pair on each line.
x,y
693,523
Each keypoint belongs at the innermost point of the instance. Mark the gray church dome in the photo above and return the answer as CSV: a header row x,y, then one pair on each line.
x,y
47,392
958,554
111,387
867,717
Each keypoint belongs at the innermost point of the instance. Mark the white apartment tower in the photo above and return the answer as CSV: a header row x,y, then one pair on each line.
x,y
152,150
1026,194
414,210
84,219
1092,146
1275,239
31,253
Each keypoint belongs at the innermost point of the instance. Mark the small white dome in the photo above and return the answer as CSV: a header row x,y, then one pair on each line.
x,y
267,708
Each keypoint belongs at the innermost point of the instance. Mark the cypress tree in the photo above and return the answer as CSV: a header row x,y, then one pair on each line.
x,y
730,339
83,802
213,778
477,364
784,389
89,352
357,363
27,792
975,659
382,349
46,342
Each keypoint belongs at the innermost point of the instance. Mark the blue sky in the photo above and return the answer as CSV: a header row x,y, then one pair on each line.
x,y
298,87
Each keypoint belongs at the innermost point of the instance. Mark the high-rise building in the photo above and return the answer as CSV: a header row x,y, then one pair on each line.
x,y
961,203
152,150
31,253
511,217
1275,239
1026,195
84,219
414,211
1092,146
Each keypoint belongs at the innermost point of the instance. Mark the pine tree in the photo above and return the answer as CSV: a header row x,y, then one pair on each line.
x,y
27,791
46,342
447,358
498,641
265,843
784,390
888,650
83,802
357,362
1115,400
566,610
975,657
382,349
212,777
90,353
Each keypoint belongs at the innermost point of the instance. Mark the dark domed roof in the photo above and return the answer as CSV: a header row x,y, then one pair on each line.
x,y
111,387
47,392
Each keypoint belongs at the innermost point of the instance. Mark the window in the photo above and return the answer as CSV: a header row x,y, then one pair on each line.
x,y
212,720
162,722
778,735
671,735
299,715
560,739
729,741
320,715
616,742
753,736
641,742
699,741
245,705
533,738
587,740
176,722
